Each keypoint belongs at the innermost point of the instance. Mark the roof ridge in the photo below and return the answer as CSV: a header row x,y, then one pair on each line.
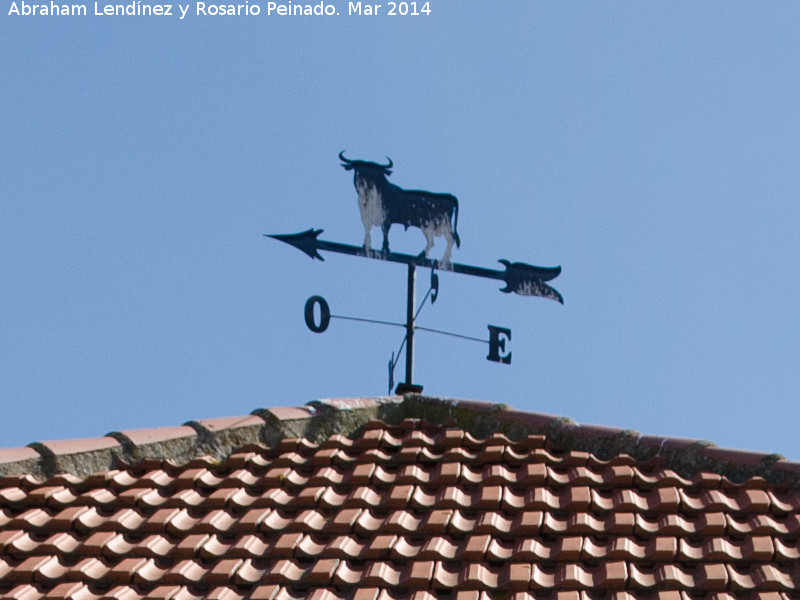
x,y
319,419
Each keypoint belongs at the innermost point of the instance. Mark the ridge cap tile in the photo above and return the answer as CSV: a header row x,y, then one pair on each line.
x,y
287,413
216,424
78,456
351,403
11,455
150,435
78,445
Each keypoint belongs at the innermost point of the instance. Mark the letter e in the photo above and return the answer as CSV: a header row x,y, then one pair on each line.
x,y
498,343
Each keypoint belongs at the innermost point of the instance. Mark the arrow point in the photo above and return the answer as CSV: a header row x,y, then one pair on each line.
x,y
305,241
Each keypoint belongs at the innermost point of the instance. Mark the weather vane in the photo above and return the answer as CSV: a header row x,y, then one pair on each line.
x,y
382,204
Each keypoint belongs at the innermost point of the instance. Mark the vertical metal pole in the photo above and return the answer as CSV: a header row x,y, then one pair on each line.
x,y
412,280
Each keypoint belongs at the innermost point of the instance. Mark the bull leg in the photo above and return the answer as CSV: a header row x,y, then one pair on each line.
x,y
429,233
385,229
448,251
367,238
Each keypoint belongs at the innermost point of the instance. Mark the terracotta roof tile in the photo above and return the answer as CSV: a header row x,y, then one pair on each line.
x,y
488,504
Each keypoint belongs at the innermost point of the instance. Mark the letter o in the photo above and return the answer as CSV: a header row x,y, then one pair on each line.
x,y
324,314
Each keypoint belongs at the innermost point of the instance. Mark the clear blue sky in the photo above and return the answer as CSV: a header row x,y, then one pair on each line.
x,y
649,148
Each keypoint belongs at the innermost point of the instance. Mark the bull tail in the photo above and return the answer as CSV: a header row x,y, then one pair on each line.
x,y
455,222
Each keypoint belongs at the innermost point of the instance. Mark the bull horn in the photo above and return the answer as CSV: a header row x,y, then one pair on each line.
x,y
389,166
343,159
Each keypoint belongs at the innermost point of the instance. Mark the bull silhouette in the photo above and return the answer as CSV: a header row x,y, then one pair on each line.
x,y
383,204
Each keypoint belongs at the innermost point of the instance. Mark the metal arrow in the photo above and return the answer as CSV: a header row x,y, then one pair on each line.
x,y
520,278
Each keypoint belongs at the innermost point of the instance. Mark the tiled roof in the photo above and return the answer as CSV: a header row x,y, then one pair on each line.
x,y
390,498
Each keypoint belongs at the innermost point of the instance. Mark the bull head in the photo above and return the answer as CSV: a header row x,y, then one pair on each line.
x,y
363,164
